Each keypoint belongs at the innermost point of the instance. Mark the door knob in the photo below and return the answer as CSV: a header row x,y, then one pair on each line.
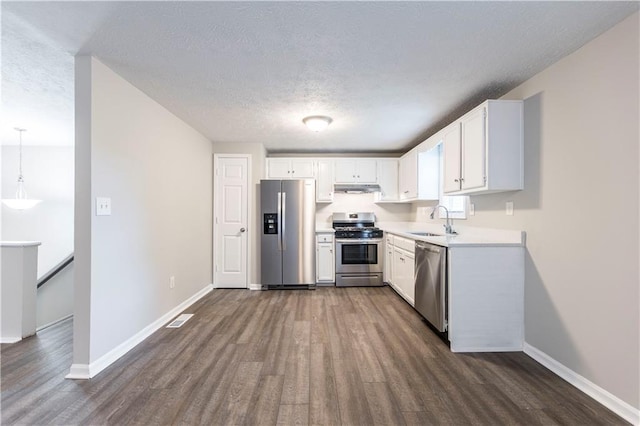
x,y
242,229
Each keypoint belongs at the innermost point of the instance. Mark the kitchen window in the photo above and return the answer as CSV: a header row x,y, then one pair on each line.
x,y
456,204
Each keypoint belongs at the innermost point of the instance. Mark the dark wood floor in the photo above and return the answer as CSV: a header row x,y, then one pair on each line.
x,y
331,356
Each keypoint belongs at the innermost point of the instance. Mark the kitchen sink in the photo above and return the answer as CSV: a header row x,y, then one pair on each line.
x,y
426,234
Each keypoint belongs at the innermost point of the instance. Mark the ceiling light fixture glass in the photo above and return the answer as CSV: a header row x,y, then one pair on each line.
x,y
22,201
317,123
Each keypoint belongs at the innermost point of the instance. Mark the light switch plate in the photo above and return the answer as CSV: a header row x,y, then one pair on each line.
x,y
472,209
103,206
509,208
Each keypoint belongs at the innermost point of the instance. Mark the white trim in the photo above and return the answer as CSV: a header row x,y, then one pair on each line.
x,y
463,349
79,371
10,339
84,371
49,324
255,287
249,158
612,402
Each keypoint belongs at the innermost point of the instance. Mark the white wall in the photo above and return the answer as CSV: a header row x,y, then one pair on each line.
x,y
258,154
580,209
158,173
386,212
55,298
48,174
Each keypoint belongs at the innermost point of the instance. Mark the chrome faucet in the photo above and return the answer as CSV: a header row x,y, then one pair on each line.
x,y
448,226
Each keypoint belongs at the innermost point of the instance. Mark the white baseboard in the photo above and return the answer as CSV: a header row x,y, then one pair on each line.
x,y
463,349
10,339
79,371
255,286
615,404
87,371
49,324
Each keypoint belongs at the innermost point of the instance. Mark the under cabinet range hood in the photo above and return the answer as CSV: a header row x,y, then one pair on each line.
x,y
356,188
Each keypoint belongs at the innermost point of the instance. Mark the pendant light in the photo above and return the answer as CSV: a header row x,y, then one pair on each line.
x,y
21,202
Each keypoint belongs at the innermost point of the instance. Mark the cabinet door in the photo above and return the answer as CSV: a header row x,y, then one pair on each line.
x,y
302,169
396,270
409,175
345,171
473,149
325,263
410,285
279,168
388,180
324,181
451,158
388,265
366,171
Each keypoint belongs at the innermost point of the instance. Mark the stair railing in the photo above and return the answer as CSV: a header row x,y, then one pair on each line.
x,y
55,270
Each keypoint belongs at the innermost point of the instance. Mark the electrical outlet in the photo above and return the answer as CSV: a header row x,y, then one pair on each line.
x,y
103,206
509,208
172,282
472,209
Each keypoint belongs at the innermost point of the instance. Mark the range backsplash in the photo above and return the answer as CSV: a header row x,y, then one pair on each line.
x,y
386,212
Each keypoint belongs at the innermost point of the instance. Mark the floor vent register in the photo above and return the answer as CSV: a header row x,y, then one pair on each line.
x,y
179,321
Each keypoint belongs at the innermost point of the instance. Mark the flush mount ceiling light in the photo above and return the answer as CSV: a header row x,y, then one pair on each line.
x,y
317,123
21,202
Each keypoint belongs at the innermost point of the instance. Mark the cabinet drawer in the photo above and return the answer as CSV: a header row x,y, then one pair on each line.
x,y
404,243
325,238
389,239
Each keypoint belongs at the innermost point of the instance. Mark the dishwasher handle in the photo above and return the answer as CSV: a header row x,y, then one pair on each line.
x,y
429,247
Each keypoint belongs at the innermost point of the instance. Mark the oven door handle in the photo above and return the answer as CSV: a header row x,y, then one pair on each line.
x,y
359,240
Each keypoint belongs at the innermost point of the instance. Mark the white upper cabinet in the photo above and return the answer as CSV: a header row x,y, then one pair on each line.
x,y
451,158
324,181
483,150
429,156
356,170
388,180
290,168
408,178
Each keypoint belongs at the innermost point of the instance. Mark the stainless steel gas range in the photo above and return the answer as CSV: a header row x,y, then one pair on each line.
x,y
359,250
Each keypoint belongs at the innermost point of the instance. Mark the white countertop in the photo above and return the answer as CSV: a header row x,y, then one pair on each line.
x,y
19,243
324,230
467,235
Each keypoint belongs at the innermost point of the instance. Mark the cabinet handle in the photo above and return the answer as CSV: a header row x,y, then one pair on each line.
x,y
293,171
461,179
288,171
353,176
456,180
405,192
358,175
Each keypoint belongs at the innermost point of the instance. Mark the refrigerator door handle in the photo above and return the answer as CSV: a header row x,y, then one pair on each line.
x,y
279,218
284,220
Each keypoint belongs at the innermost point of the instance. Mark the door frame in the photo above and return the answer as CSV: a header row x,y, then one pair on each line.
x,y
216,201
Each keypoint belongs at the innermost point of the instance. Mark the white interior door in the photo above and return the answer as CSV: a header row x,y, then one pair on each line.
x,y
231,211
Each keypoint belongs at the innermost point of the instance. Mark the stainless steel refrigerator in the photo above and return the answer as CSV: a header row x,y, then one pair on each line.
x,y
288,214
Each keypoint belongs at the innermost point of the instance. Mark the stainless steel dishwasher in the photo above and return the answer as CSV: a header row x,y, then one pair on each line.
x,y
431,283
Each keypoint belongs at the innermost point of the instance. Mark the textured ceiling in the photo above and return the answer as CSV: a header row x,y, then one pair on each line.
x,y
389,73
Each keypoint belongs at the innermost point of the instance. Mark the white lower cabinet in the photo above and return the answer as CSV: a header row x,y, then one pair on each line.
x,y
402,268
388,260
325,259
485,292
